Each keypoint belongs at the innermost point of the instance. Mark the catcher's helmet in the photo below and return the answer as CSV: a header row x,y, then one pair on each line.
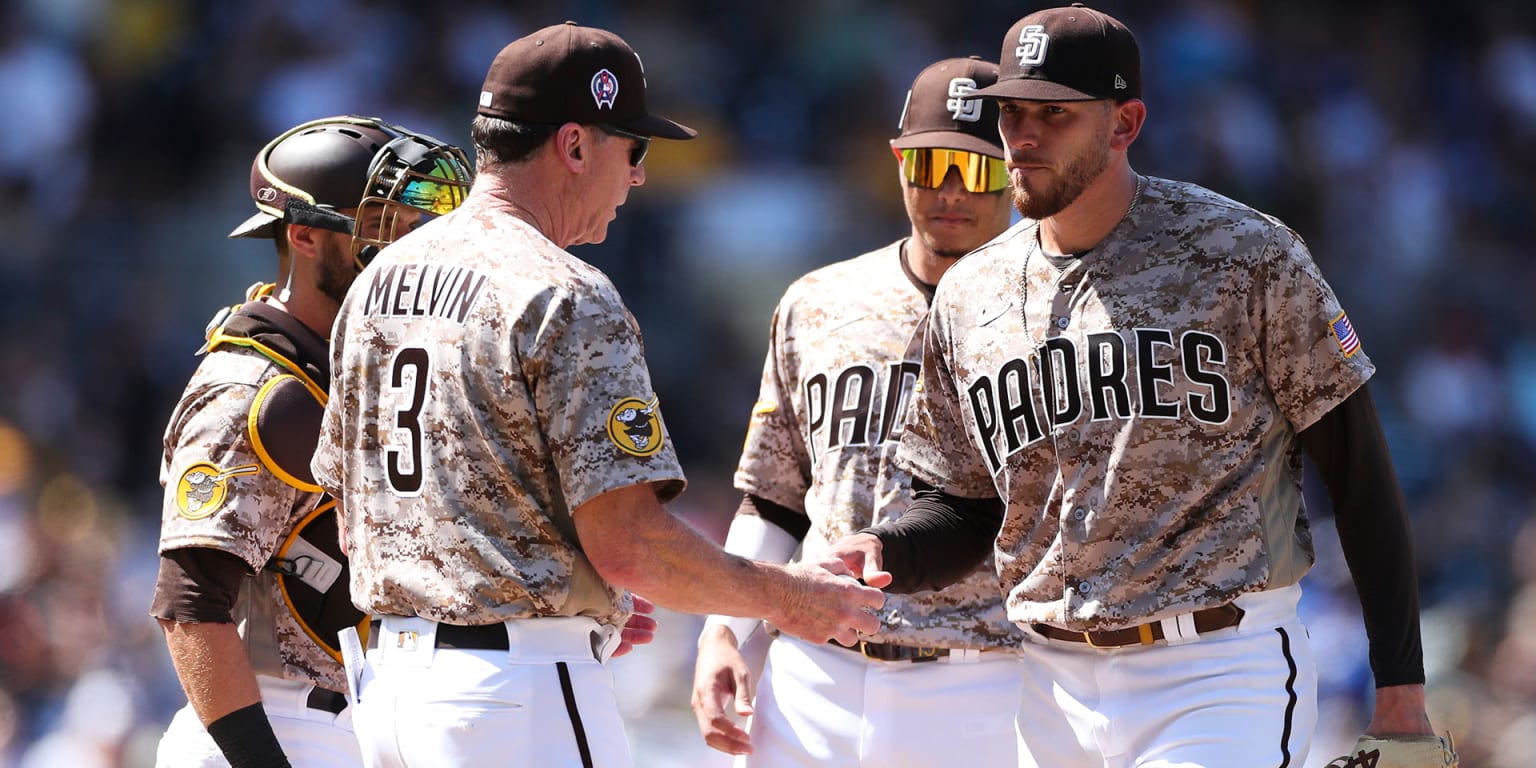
x,y
315,170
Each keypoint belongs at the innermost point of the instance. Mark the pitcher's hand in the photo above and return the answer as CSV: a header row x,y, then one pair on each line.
x,y
860,554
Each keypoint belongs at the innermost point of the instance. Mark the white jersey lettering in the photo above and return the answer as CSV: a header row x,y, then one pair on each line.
x,y
423,290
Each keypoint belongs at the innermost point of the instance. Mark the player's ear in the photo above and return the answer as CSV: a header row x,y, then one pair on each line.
x,y
570,146
304,240
1129,115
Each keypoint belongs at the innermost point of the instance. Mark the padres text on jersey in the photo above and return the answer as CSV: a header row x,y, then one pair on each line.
x,y
1069,378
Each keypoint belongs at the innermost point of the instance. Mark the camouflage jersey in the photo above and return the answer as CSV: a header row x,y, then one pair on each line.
x,y
235,483
843,358
1177,360
487,383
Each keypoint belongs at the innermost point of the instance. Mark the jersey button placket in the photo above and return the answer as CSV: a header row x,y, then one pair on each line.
x,y
1063,303
1070,529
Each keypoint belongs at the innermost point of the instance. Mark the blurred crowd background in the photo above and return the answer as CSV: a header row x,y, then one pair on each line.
x,y
1398,138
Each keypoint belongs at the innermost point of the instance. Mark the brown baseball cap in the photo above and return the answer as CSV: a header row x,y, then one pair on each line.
x,y
942,112
570,73
1068,54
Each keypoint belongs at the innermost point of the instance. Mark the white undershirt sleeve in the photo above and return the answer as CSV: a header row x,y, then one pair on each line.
x,y
751,536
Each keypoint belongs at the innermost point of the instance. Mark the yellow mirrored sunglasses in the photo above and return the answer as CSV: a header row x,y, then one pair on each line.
x,y
926,167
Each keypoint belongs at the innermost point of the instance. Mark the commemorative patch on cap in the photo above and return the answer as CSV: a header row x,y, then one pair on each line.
x,y
605,89
635,426
203,487
538,78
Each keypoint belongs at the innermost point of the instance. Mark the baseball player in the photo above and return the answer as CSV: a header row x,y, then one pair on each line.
x,y
252,587
842,361
1115,396
502,455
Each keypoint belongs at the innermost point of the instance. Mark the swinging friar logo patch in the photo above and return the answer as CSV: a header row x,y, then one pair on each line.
x,y
203,487
635,426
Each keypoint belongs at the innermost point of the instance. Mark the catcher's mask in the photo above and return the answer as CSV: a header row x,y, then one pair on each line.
x,y
396,178
412,179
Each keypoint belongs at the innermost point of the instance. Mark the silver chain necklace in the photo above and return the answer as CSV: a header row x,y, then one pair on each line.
x,y
1024,268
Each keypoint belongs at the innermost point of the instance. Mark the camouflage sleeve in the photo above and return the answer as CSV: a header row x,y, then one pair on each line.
x,y
217,493
1311,356
936,444
774,462
594,398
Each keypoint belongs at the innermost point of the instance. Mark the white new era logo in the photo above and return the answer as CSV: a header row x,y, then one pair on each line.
x,y
1119,83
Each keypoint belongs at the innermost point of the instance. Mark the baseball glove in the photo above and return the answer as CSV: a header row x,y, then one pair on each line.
x,y
1400,752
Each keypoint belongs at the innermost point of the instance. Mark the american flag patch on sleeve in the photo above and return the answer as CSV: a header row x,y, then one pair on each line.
x,y
1345,333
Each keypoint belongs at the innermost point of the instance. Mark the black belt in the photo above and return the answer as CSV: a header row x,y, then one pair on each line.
x,y
326,700
1207,620
890,652
486,637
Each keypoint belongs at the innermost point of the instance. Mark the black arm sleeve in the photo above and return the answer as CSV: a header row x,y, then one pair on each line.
x,y
198,585
1351,454
245,737
939,540
793,523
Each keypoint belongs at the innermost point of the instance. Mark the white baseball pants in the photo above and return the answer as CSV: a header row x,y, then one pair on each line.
x,y
546,701
1245,695
819,706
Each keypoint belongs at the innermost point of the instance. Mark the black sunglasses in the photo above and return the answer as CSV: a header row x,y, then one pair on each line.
x,y
642,143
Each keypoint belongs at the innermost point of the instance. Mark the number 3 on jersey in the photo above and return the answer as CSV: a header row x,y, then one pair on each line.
x,y
407,482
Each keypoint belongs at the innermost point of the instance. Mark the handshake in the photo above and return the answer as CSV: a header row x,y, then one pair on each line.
x,y
835,597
